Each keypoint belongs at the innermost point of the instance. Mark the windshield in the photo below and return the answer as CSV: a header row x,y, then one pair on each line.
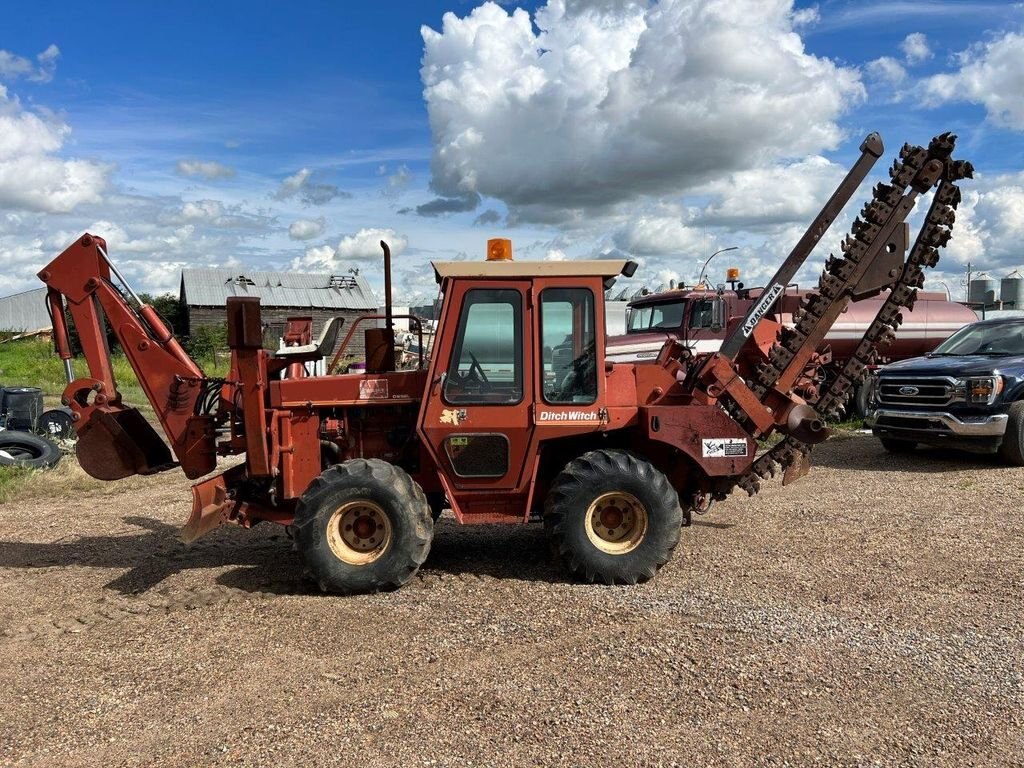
x,y
656,317
982,339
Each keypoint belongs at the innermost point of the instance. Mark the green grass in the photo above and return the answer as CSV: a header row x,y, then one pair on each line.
x,y
11,481
33,363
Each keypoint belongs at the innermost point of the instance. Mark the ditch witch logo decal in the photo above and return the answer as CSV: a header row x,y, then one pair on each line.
x,y
572,417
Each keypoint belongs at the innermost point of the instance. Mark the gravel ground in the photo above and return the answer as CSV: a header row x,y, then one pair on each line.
x,y
867,615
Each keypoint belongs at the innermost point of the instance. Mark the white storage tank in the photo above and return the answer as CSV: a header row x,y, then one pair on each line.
x,y
1011,291
982,291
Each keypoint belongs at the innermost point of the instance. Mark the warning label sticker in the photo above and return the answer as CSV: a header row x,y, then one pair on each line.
x,y
372,389
723,447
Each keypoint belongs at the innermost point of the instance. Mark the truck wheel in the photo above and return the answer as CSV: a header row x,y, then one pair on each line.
x,y
1012,447
613,517
859,402
20,449
897,446
362,526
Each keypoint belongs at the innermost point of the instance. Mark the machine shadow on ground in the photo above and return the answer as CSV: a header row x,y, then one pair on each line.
x,y
150,557
264,558
482,551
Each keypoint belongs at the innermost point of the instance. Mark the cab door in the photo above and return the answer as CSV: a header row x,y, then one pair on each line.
x,y
476,418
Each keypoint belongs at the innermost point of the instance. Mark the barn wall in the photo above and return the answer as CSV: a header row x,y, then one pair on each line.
x,y
275,319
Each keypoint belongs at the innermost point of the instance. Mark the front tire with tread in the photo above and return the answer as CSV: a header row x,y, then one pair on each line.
x,y
1012,448
385,487
582,484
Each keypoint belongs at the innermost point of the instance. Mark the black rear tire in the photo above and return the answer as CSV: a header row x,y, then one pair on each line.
x,y
1012,448
893,445
20,449
357,497
613,517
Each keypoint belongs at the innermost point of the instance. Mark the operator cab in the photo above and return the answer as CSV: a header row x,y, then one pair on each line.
x,y
518,356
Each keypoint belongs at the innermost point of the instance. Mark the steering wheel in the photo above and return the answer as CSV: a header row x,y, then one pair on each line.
x,y
474,379
476,367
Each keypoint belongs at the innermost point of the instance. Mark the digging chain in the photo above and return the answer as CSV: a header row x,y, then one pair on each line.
x,y
839,279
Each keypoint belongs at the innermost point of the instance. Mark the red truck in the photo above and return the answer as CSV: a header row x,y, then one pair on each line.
x,y
701,319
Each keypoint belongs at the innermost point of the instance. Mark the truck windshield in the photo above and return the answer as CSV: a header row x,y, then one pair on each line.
x,y
656,317
984,340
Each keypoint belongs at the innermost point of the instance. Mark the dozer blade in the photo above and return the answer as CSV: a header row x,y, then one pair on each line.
x,y
212,505
114,444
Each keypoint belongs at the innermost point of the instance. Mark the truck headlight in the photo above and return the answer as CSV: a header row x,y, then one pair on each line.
x,y
984,390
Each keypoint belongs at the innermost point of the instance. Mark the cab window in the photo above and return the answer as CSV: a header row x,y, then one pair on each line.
x,y
702,314
487,359
656,317
568,345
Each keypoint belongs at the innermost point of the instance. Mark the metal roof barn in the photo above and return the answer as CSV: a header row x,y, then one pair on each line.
x,y
212,287
24,312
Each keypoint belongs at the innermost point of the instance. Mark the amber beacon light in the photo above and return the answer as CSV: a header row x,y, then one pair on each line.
x,y
499,249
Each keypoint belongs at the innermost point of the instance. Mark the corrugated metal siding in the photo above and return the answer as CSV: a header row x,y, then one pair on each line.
x,y
24,311
212,287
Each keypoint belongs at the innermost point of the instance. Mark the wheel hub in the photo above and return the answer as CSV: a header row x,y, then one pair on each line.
x,y
616,522
359,532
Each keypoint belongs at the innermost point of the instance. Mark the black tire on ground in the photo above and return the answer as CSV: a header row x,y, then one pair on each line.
x,y
612,517
893,445
859,402
20,449
438,504
1012,448
364,525
57,424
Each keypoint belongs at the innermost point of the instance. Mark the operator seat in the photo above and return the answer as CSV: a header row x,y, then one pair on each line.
x,y
322,347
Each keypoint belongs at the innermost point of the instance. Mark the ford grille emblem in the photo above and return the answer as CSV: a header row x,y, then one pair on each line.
x,y
909,390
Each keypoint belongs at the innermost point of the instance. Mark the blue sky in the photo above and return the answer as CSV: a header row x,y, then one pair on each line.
x,y
294,136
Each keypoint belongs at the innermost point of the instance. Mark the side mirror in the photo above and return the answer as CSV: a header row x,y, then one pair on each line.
x,y
718,314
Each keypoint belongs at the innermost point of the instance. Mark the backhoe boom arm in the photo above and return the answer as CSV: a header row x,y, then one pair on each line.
x,y
115,440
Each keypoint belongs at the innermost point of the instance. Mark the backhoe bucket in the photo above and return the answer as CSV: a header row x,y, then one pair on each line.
x,y
114,444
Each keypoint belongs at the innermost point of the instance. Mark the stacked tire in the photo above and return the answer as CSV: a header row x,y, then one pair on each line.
x,y
21,415
22,449
22,407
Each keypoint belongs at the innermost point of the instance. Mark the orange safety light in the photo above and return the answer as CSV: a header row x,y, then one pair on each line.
x,y
732,274
499,249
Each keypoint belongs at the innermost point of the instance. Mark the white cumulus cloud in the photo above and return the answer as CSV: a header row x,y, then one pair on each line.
x,y
887,70
915,48
13,66
306,229
990,74
33,175
364,245
648,235
586,106
779,194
